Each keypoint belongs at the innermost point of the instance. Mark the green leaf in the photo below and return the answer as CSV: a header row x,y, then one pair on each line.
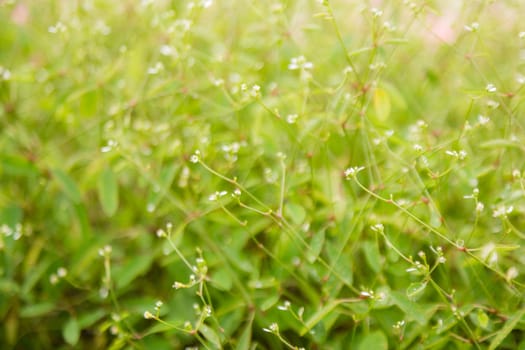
x,y
71,331
374,340
316,245
159,190
37,310
343,267
90,318
124,275
245,338
108,191
89,103
372,256
16,165
296,212
382,104
413,310
222,279
482,318
269,302
211,335
415,290
321,314
69,187
507,328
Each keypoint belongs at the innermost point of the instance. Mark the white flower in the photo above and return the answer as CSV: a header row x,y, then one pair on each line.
x,y
502,211
57,28
273,328
479,207
300,63
377,228
512,273
285,307
352,172
62,272
418,148
472,27
255,91
291,118
156,68
217,195
148,315
195,157
167,50
482,120
492,104
491,88
5,74
376,12
205,3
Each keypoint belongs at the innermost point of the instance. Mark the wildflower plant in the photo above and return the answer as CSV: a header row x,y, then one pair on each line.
x,y
294,175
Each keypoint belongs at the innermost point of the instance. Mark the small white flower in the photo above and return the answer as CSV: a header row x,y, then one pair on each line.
x,y
158,67
366,294
255,91
285,307
205,3
520,79
195,157
418,148
479,207
148,315
521,35
57,28
347,70
482,120
492,104
502,211
5,74
512,273
472,27
62,272
53,279
300,63
352,172
273,328
376,12
167,50
291,118
491,88
377,228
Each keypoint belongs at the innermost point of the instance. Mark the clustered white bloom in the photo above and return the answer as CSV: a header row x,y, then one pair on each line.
x,y
300,62
472,27
462,154
491,88
502,211
352,172
214,196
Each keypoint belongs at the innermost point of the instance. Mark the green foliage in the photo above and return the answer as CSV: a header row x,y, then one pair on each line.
x,y
262,175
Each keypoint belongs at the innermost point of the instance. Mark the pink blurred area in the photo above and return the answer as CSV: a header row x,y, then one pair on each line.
x,y
20,14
